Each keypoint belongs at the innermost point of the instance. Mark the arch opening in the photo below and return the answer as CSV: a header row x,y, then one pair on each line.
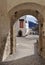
x,y
16,14
39,18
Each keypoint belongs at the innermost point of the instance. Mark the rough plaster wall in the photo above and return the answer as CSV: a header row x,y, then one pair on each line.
x,y
7,48
4,25
43,53
13,3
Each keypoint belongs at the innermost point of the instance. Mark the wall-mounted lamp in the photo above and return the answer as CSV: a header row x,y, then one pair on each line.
x,y
37,12
41,25
15,14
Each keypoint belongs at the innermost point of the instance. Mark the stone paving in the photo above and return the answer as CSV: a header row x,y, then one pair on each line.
x,y
29,60
24,47
29,53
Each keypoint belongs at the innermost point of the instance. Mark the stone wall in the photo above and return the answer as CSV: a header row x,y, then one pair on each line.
x,y
4,25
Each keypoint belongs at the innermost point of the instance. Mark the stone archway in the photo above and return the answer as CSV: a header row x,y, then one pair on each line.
x,y
15,14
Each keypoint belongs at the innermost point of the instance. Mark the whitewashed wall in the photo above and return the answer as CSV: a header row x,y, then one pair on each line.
x,y
17,26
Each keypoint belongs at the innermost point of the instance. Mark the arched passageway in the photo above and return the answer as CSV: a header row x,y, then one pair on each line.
x,y
25,44
20,13
21,10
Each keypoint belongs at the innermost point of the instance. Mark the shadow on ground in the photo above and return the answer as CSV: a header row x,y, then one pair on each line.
x,y
29,60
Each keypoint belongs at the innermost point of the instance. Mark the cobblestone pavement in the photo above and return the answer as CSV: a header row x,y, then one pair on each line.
x,y
29,54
